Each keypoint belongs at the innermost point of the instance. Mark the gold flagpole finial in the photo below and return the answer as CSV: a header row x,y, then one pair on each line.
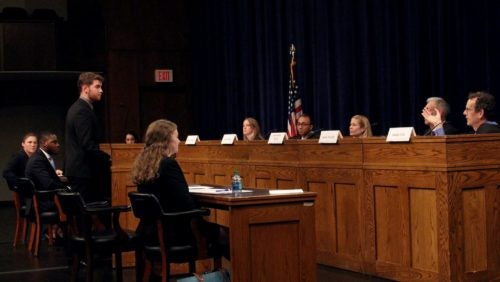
x,y
292,64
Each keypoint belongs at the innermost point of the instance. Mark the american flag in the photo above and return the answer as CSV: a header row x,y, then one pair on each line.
x,y
294,102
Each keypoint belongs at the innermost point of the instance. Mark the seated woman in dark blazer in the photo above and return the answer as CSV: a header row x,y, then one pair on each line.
x,y
157,172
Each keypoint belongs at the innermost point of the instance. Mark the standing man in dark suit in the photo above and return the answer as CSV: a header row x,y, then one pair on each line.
x,y
85,162
41,168
479,112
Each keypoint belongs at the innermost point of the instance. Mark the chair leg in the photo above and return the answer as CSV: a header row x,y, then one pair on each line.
x,y
148,267
192,266
75,267
16,232
25,228
139,265
90,265
50,232
118,266
38,232
165,271
32,236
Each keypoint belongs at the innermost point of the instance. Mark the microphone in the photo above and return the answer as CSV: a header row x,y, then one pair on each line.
x,y
314,133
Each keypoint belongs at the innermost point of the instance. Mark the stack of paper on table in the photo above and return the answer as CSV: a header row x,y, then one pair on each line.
x,y
285,191
208,190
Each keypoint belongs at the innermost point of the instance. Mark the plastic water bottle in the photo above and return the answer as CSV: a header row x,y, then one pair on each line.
x,y
236,181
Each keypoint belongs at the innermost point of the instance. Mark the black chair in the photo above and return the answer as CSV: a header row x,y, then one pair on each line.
x,y
45,14
14,13
37,216
85,241
147,207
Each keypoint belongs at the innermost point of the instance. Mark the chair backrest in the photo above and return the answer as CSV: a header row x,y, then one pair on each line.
x,y
24,187
44,14
71,203
14,13
145,205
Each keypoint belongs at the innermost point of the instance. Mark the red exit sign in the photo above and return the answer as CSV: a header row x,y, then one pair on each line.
x,y
164,75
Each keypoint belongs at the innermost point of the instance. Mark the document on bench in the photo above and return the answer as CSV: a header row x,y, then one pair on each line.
x,y
285,191
204,189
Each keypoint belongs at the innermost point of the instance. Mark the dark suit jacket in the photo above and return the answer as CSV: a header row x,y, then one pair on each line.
x,y
172,191
449,129
313,134
487,128
39,170
82,146
15,168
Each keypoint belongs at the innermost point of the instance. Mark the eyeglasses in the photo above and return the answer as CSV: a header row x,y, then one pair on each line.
x,y
303,124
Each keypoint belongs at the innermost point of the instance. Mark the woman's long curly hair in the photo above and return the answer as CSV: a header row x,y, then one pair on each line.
x,y
157,140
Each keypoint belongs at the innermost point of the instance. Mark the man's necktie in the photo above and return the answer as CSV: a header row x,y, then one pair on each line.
x,y
52,163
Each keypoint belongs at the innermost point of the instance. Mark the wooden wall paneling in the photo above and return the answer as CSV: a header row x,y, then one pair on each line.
x,y
237,153
281,227
423,229
444,202
391,241
195,172
197,153
405,231
479,197
121,185
274,177
423,155
260,152
474,214
464,152
273,234
339,215
124,155
221,173
493,223
122,96
348,153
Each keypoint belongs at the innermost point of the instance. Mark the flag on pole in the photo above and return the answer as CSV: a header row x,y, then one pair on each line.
x,y
294,102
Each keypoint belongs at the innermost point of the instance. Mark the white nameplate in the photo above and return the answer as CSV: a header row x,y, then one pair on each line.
x,y
277,138
192,139
400,134
228,139
329,136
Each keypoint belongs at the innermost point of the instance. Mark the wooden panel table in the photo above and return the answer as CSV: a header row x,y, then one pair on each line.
x,y
428,209
272,237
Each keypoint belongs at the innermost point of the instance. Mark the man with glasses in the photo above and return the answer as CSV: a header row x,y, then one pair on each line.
x,y
434,113
305,128
479,112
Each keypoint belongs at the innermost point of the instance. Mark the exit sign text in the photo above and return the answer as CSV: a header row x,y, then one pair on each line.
x,y
164,75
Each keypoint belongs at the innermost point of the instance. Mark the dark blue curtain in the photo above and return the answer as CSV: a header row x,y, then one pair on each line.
x,y
380,58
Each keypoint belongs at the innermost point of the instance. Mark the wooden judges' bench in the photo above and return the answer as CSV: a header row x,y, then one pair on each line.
x,y
424,210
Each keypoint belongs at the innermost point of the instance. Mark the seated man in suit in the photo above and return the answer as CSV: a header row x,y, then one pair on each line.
x,y
41,168
479,113
305,128
434,113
